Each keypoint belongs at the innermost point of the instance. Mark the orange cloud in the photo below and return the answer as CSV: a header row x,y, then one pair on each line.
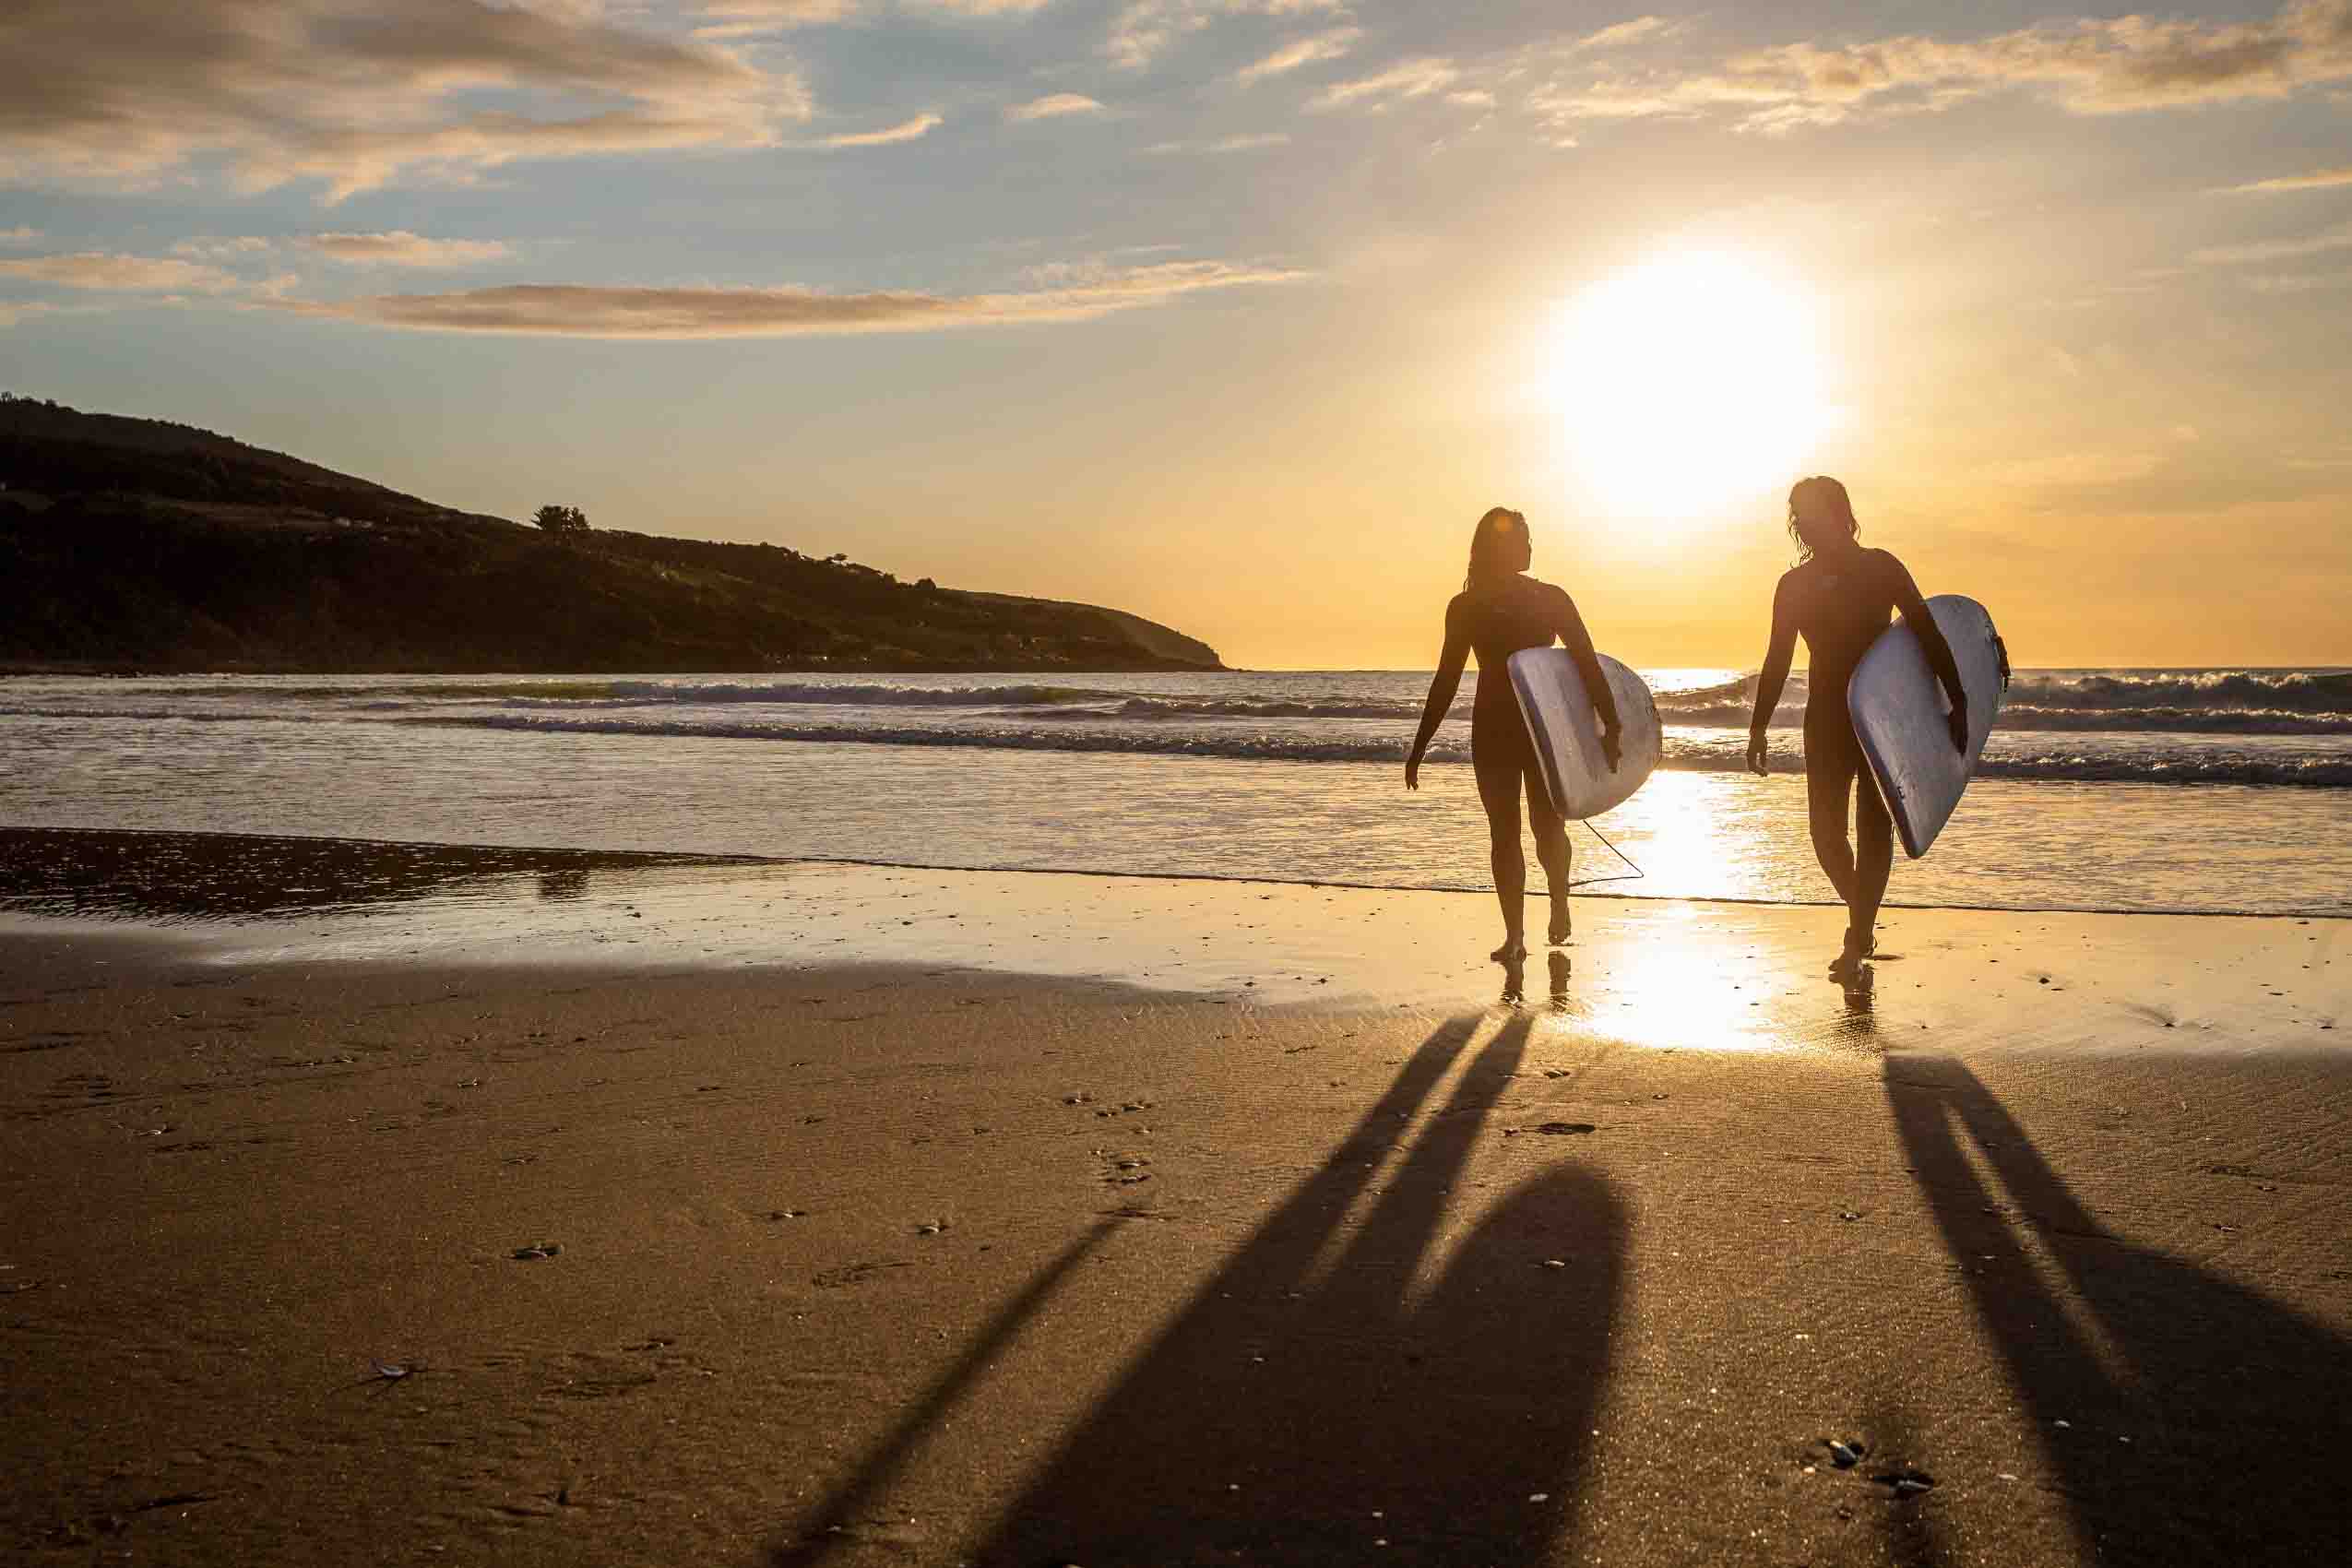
x,y
574,310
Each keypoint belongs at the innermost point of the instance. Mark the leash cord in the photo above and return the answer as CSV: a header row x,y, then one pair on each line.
x,y
1631,873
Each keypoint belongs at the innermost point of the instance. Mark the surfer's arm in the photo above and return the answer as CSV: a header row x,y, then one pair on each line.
x,y
1579,643
1917,617
1774,677
1441,687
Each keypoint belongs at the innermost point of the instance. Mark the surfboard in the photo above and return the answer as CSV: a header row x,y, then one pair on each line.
x,y
1566,731
1903,721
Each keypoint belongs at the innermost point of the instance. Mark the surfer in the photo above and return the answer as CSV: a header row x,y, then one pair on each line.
x,y
1839,597
1500,610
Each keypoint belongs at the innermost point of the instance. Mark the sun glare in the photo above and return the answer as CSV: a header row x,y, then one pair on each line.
x,y
1687,385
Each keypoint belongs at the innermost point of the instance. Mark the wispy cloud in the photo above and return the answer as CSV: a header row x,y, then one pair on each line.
x,y
399,248
2318,179
21,235
113,272
1621,35
1052,106
2336,238
1412,78
595,311
2299,282
1300,51
1143,29
2085,66
356,93
905,130
215,247
1239,143
750,18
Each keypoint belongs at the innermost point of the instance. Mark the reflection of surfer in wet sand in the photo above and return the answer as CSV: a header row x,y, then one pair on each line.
x,y
1499,611
1839,597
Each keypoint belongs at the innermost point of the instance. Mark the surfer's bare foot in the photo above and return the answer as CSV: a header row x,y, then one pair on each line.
x,y
1512,947
1559,933
1859,945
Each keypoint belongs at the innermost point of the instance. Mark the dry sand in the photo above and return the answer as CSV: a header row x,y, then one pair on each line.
x,y
985,1255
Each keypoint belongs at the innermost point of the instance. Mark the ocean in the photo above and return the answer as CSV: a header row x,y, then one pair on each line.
x,y
2205,791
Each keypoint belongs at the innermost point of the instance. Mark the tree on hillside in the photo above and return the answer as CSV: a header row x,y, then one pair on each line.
x,y
561,519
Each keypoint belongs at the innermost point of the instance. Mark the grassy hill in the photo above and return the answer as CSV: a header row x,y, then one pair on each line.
x,y
130,543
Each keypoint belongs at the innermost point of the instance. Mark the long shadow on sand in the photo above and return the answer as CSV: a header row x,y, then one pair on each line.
x,y
1335,1395
2204,1421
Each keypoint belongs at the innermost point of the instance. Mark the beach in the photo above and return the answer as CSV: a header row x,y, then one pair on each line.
x,y
734,1212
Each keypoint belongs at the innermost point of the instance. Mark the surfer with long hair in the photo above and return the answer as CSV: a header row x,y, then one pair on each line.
x,y
1500,610
1839,597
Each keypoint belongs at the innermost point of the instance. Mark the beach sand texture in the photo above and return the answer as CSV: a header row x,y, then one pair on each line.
x,y
550,1251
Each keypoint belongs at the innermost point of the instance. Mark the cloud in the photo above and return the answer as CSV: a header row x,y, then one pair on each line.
x,y
2336,238
399,248
1240,143
747,19
596,311
20,236
116,273
219,248
1620,35
356,93
1300,51
2319,180
14,311
1053,105
1144,29
2299,282
905,130
1413,79
2086,66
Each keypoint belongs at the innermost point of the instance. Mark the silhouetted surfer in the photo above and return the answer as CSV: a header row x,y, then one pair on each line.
x,y
1499,611
1839,597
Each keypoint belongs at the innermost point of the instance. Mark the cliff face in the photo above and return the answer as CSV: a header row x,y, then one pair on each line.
x,y
137,543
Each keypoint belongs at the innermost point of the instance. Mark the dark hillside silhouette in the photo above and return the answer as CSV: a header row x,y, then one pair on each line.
x,y
133,543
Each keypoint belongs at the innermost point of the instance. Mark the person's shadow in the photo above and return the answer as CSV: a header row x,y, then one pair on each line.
x,y
2203,1421
1340,1395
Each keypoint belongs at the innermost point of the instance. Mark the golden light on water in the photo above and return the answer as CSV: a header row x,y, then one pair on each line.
x,y
1687,383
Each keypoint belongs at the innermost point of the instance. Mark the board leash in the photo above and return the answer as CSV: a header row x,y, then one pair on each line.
x,y
1630,874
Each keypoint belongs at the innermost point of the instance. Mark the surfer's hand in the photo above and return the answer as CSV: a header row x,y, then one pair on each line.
x,y
1756,751
1612,746
1960,725
1413,771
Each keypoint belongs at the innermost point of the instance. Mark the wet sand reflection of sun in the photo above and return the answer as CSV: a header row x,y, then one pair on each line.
x,y
1701,980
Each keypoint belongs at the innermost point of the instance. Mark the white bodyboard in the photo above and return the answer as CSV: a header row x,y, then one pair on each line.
x,y
1903,721
1566,731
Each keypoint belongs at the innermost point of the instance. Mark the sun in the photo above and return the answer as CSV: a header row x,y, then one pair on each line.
x,y
1687,385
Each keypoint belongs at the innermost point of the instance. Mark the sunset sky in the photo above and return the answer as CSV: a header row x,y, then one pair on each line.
x,y
1236,312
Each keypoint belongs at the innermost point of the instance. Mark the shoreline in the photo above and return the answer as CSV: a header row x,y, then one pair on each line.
x,y
625,858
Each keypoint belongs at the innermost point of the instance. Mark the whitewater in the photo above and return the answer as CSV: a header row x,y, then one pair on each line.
x,y
2199,789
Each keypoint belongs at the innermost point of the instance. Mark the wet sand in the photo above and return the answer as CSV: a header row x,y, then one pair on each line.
x,y
887,1217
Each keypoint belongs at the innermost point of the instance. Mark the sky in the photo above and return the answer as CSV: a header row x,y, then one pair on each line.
x,y
1237,313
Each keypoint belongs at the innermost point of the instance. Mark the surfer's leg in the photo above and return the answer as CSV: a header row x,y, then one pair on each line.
x,y
1498,768
1874,844
1551,850
1829,782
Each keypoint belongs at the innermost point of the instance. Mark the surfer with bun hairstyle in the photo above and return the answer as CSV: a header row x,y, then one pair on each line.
x,y
1500,610
1839,597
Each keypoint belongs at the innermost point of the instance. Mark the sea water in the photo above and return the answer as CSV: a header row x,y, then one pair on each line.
x,y
2204,791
